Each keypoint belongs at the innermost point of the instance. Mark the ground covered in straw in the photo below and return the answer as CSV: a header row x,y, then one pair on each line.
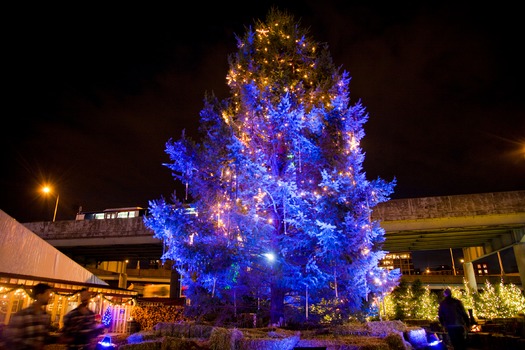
x,y
368,336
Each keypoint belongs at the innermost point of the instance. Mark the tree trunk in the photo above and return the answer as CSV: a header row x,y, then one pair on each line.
x,y
174,284
277,304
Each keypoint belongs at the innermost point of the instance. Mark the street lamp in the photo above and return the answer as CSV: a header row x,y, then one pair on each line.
x,y
47,189
453,263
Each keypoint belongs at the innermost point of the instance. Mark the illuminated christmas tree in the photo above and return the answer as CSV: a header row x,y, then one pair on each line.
x,y
282,207
107,317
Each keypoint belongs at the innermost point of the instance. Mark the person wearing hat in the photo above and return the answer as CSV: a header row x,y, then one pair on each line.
x,y
454,318
29,328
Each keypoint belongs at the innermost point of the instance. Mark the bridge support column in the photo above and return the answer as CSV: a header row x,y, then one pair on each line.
x,y
470,254
519,253
123,280
473,253
468,267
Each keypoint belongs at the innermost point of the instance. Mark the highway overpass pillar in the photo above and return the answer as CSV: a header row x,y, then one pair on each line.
x,y
123,280
468,267
519,253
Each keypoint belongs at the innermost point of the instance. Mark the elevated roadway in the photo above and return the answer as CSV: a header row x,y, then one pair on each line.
x,y
493,221
91,241
480,224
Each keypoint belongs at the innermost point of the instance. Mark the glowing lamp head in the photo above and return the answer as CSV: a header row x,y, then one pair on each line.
x,y
270,256
106,344
434,341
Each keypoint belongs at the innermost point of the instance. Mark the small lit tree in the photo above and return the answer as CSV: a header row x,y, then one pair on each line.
x,y
500,301
513,300
107,317
426,305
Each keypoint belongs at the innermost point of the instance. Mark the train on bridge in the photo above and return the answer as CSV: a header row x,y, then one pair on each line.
x,y
119,213
114,213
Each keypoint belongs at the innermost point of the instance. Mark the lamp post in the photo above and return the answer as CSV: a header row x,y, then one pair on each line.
x,y
47,189
453,264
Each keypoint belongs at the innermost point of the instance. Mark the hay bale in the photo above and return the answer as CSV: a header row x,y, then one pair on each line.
x,y
176,343
276,343
141,336
224,338
200,331
383,328
163,329
147,345
351,342
396,341
350,329
417,337
180,330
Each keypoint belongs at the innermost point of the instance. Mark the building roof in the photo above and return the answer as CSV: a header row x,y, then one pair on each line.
x,y
23,254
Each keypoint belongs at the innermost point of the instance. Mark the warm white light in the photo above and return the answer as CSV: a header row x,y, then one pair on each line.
x,y
270,256
46,189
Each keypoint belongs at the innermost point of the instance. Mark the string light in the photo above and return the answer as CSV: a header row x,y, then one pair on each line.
x,y
4,291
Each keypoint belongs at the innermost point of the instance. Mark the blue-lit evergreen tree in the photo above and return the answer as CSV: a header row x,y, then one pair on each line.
x,y
107,317
283,206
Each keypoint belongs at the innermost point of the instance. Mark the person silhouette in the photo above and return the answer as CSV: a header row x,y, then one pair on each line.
x,y
80,325
455,320
29,328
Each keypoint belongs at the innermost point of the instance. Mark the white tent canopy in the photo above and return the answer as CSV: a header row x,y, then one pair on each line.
x,y
23,253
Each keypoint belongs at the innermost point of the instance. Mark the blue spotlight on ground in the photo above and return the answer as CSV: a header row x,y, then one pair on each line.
x,y
106,344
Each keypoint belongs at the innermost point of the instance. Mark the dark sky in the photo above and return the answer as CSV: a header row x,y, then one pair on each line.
x,y
92,94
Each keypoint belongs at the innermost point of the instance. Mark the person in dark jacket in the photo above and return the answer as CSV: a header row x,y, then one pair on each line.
x,y
454,318
29,328
80,326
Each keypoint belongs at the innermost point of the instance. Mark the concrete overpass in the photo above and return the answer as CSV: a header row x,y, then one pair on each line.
x,y
480,224
493,221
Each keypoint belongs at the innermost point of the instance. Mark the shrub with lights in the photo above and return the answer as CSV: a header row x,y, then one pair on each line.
x,y
492,301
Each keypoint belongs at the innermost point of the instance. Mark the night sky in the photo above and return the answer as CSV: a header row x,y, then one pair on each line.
x,y
92,95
